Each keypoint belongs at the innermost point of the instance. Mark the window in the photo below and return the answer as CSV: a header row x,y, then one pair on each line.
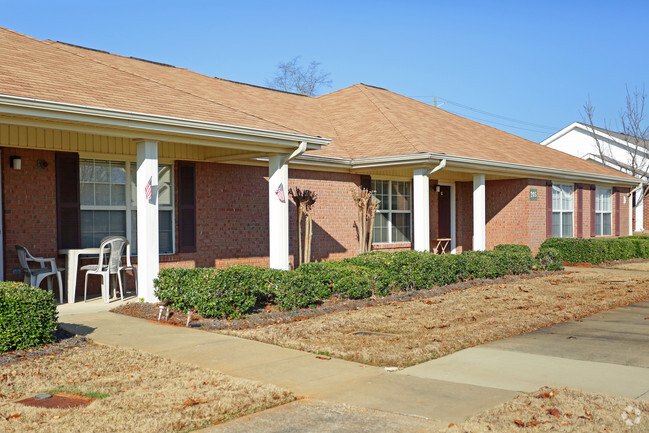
x,y
603,211
393,217
562,211
107,203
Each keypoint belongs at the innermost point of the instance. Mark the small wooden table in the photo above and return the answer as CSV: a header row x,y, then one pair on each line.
x,y
440,245
72,265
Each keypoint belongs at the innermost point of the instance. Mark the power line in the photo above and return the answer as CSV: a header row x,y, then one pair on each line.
x,y
496,123
487,113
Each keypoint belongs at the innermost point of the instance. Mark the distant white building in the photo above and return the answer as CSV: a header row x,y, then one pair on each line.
x,y
617,152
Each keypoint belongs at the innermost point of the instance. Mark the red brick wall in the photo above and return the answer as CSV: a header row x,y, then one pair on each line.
x,y
232,225
512,218
625,202
29,207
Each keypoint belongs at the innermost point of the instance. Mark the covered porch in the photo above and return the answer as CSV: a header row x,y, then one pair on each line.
x,y
87,172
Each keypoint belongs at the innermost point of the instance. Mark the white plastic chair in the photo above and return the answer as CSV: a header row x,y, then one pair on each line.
x,y
128,267
34,277
110,255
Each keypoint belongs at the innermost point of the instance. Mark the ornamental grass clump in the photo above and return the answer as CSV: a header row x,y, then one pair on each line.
x,y
28,316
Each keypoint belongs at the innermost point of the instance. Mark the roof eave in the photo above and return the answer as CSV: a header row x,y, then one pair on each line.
x,y
141,123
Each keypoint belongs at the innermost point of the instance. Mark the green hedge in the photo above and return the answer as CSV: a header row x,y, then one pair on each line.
x,y
233,292
28,316
598,250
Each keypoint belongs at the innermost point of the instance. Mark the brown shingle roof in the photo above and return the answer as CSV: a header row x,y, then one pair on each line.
x,y
362,121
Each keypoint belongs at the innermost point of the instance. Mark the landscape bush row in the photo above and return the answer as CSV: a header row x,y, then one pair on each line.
x,y
234,291
28,316
596,251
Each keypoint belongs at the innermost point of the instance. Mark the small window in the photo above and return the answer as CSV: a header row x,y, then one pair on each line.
x,y
562,211
393,222
603,211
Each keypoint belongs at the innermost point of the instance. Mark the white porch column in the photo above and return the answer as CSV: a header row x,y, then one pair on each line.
x,y
479,213
421,202
639,210
148,260
278,211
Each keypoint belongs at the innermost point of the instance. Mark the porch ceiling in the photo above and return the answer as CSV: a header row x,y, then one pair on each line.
x,y
56,126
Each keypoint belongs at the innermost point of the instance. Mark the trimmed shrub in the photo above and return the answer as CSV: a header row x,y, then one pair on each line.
x,y
598,250
28,316
549,259
233,292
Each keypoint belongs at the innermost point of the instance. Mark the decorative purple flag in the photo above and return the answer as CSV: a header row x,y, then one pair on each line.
x,y
280,193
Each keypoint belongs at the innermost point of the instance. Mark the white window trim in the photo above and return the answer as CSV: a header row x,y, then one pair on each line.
x,y
599,230
128,208
562,211
389,211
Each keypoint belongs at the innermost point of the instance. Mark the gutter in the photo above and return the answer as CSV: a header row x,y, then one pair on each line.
x,y
15,105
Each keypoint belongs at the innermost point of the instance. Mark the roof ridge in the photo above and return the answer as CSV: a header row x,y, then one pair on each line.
x,y
170,86
390,118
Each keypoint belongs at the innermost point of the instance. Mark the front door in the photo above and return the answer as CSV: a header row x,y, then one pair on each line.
x,y
444,214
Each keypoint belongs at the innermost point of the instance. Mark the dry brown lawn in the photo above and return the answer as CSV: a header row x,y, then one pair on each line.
x,y
145,393
418,330
560,410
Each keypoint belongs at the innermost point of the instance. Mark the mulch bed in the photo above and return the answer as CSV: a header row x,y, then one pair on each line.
x,y
64,342
271,315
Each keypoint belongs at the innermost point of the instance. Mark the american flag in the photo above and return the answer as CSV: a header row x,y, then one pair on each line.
x,y
148,188
280,193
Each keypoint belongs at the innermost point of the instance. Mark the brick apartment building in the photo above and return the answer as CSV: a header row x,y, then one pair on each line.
x,y
82,133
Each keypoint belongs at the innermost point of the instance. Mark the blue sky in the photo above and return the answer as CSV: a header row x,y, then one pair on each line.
x,y
531,63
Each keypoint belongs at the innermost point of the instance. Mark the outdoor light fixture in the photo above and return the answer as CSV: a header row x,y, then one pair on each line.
x,y
438,188
15,162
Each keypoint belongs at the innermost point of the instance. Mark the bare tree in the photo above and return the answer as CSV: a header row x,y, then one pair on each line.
x,y
292,76
304,201
633,129
367,204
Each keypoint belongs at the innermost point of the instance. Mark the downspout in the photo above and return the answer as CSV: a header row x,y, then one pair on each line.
x,y
631,209
297,152
441,165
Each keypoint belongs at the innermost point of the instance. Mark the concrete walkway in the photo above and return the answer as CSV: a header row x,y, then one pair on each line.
x,y
607,352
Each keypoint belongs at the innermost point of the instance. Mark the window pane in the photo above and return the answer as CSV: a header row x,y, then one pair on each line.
x,y
380,233
102,171
166,234
567,225
566,200
117,223
102,194
164,185
598,224
133,185
86,171
133,239
556,197
118,172
117,195
87,193
556,224
400,195
400,227
606,229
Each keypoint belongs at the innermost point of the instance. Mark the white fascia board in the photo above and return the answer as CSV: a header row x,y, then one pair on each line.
x,y
475,165
58,111
560,133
